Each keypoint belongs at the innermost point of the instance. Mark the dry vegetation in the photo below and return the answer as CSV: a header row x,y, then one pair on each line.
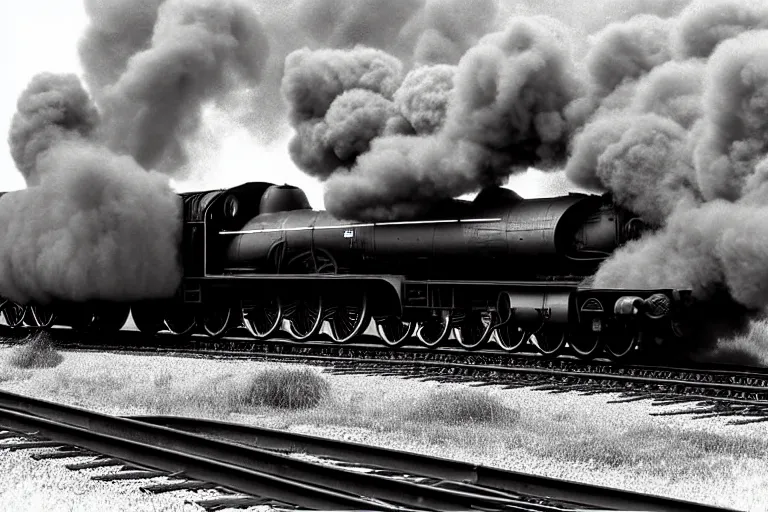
x,y
750,348
287,388
215,397
37,352
481,425
460,406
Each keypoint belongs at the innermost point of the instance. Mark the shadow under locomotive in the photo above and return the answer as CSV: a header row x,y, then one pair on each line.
x,y
496,269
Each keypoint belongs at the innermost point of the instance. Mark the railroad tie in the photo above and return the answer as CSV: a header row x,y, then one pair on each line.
x,y
6,434
63,453
233,502
186,485
140,474
26,445
99,462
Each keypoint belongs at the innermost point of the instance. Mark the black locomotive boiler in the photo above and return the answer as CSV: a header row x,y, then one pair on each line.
x,y
498,268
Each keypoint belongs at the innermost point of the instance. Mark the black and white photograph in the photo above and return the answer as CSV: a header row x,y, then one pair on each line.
x,y
384,255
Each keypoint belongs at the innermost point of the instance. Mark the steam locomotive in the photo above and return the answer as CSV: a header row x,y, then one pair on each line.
x,y
499,268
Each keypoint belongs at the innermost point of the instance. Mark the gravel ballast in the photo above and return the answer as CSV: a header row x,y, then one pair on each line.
x,y
579,424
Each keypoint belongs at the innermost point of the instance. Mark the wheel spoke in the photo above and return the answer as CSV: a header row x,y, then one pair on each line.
x,y
349,320
436,330
180,321
550,340
622,343
475,330
393,331
108,317
216,321
262,318
13,314
44,317
586,345
306,318
511,337
148,317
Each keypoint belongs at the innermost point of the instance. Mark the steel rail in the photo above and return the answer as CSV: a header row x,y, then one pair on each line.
x,y
433,467
725,370
722,386
199,468
259,461
579,375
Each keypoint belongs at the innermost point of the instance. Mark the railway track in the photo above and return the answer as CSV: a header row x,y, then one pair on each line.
x,y
722,390
255,466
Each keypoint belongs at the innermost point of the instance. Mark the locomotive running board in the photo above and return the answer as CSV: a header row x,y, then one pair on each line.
x,y
390,282
521,284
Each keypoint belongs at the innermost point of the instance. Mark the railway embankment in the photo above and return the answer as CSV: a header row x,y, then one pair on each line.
x,y
563,435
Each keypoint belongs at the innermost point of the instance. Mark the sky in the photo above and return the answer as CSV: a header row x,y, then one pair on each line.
x,y
42,35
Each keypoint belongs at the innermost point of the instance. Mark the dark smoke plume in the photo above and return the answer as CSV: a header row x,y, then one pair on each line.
x,y
735,124
448,131
339,101
96,222
117,31
199,50
97,227
92,224
706,23
715,241
423,97
52,109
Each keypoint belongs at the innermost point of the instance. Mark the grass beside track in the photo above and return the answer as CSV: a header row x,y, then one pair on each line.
x,y
565,436
750,348
37,352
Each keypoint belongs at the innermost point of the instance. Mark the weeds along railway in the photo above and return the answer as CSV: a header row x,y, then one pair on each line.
x,y
496,269
252,466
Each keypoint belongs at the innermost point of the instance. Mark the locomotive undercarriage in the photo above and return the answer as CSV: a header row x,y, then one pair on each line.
x,y
314,293
548,317
551,318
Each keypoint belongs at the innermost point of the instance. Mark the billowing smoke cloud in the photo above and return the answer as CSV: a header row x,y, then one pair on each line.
x,y
714,238
96,222
199,50
339,101
417,32
735,133
625,51
97,227
344,23
424,95
642,159
448,28
672,90
92,224
117,31
52,109
726,149
455,130
622,53
706,23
